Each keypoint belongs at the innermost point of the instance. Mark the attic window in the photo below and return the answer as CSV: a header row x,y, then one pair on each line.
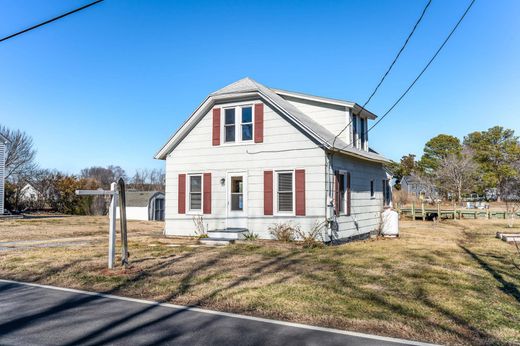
x,y
229,125
247,123
238,124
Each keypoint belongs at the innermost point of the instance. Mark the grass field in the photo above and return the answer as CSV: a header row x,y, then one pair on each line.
x,y
453,283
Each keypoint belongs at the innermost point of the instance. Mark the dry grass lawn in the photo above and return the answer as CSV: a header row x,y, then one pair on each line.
x,y
453,283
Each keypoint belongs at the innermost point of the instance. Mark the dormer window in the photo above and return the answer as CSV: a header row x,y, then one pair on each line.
x,y
238,124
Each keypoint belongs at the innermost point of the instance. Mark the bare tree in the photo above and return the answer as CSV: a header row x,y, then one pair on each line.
x,y
20,153
457,174
148,180
104,176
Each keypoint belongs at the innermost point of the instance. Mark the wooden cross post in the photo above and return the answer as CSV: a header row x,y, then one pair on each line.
x,y
112,217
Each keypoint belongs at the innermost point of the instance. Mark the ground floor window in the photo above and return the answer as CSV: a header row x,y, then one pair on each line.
x,y
386,192
372,192
285,191
195,192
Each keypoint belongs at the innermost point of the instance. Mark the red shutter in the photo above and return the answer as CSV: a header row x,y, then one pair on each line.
x,y
216,126
182,194
300,191
207,193
348,194
336,192
259,123
268,192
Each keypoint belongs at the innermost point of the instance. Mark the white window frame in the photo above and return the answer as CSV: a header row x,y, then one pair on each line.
x,y
188,194
386,193
238,123
275,197
372,189
355,130
343,175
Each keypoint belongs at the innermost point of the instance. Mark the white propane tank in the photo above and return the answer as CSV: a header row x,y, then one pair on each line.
x,y
390,223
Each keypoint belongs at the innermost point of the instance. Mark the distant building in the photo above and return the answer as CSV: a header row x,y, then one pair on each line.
x,y
144,205
3,144
29,194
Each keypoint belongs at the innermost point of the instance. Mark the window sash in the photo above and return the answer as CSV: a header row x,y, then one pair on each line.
x,y
238,124
285,192
342,192
195,192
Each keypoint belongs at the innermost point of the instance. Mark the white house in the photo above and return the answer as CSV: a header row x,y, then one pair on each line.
x,y
3,144
250,156
144,205
29,194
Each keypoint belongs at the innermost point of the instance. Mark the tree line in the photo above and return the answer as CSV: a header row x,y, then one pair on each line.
x,y
30,187
482,161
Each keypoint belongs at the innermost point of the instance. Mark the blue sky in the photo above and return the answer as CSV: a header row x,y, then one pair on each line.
x,y
110,84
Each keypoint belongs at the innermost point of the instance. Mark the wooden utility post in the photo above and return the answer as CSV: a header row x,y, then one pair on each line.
x,y
122,219
112,217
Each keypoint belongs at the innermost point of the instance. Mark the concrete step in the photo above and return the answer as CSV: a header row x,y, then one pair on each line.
x,y
216,241
228,233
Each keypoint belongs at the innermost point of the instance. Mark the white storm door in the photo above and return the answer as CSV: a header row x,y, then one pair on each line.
x,y
236,187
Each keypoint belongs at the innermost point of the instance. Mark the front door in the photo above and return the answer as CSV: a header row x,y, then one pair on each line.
x,y
236,200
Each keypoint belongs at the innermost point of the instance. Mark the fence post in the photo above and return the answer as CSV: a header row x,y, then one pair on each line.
x,y
413,211
423,212
438,210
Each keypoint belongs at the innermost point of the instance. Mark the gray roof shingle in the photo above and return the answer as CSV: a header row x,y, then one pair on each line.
x,y
140,198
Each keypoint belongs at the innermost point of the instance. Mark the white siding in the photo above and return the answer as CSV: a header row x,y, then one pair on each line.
x,y
365,211
2,175
332,117
196,154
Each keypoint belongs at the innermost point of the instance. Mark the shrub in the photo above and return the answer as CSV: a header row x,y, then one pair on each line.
x,y
250,236
284,231
314,237
200,231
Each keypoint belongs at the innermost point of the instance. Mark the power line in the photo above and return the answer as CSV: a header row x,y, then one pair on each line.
x,y
389,68
50,20
421,73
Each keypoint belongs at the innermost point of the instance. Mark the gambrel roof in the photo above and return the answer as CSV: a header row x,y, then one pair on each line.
x,y
248,88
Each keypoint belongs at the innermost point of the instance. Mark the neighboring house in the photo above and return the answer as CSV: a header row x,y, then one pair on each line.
x,y
3,144
29,194
415,187
144,205
250,156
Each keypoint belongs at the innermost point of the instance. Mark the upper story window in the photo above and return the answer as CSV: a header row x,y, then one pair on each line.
x,y
355,130
362,132
238,124
247,123
359,132
229,125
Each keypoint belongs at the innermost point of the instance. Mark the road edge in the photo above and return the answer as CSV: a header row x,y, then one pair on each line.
x,y
226,314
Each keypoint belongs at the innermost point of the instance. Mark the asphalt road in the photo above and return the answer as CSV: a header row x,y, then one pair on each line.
x,y
35,315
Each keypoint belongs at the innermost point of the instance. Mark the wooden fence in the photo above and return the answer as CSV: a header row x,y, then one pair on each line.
x,y
429,213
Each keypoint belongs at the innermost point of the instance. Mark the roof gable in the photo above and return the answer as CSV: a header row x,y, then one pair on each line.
x,y
247,87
